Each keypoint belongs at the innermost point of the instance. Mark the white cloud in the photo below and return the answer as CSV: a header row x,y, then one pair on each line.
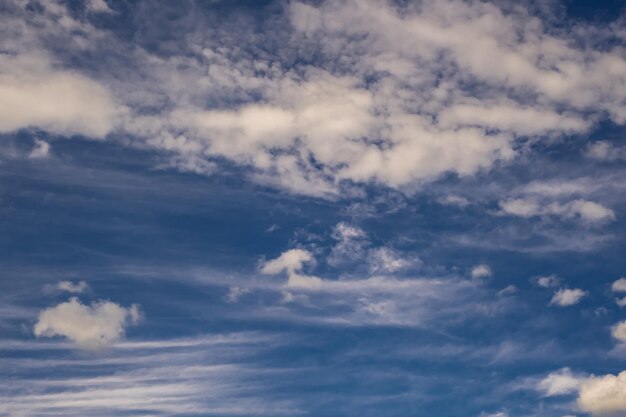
x,y
587,211
387,103
454,200
235,293
547,281
30,92
603,394
498,414
508,290
381,300
619,285
568,297
202,375
290,261
350,246
619,331
90,327
75,288
561,382
98,6
621,301
481,271
386,260
606,151
40,150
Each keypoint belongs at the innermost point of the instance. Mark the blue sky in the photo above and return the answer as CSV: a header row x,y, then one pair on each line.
x,y
312,208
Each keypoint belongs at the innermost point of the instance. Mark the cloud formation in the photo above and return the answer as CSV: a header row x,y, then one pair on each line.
x,y
561,382
568,297
481,271
75,288
381,94
603,395
93,326
587,211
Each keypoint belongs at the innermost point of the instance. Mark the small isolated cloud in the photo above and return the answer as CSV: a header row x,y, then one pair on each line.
x,y
90,327
547,281
619,331
481,271
621,301
235,293
561,382
67,286
74,288
605,151
619,285
606,394
386,260
568,297
40,150
292,262
454,200
98,6
587,211
509,290
498,414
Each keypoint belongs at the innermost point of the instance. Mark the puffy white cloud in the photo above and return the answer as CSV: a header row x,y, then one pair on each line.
x,y
98,6
619,331
31,92
603,394
290,261
619,285
481,271
568,297
561,382
71,287
40,150
587,211
89,326
547,281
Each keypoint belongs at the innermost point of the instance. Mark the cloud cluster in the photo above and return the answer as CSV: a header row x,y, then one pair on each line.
x,y
380,300
89,326
378,93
